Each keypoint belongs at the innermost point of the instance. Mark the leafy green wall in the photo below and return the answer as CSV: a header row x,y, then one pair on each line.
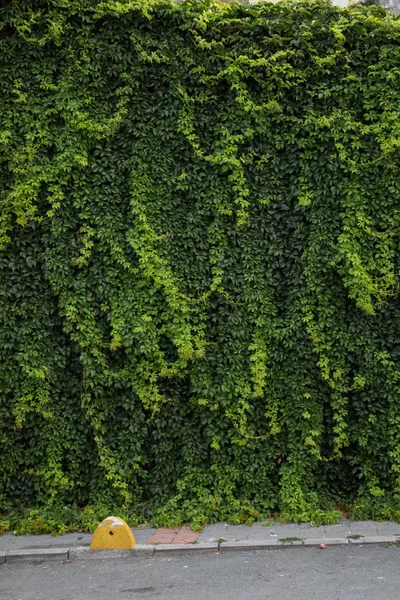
x,y
199,274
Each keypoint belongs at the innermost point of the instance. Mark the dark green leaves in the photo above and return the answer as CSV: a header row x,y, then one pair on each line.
x,y
200,254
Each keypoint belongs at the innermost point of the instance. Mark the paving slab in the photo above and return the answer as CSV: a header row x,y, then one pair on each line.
x,y
363,527
212,533
290,526
386,528
237,532
339,530
142,536
9,541
2,556
291,532
261,531
260,526
316,533
226,532
265,534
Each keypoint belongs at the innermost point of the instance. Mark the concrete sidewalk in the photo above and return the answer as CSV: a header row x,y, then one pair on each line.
x,y
220,537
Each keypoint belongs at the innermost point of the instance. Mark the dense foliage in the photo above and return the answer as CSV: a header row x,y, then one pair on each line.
x,y
199,273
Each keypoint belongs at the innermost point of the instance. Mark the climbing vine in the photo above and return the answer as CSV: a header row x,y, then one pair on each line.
x,y
199,263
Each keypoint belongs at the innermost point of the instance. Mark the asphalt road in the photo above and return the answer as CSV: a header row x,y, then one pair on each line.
x,y
337,573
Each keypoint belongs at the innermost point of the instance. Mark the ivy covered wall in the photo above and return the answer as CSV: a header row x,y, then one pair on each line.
x,y
199,269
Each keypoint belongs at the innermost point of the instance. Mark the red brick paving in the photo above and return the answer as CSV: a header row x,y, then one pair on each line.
x,y
182,535
163,536
186,536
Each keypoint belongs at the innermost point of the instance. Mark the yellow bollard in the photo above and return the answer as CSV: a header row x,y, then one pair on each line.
x,y
113,534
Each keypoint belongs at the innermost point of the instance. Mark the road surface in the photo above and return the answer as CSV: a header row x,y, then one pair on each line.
x,y
336,573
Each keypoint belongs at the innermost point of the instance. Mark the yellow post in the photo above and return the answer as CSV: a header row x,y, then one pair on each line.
x,y
113,534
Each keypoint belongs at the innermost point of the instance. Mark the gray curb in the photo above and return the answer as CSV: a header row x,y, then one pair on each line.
x,y
327,542
253,545
185,548
84,552
36,554
273,545
375,539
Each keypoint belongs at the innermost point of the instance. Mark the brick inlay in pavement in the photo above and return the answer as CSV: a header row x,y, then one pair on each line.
x,y
163,536
182,535
186,536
